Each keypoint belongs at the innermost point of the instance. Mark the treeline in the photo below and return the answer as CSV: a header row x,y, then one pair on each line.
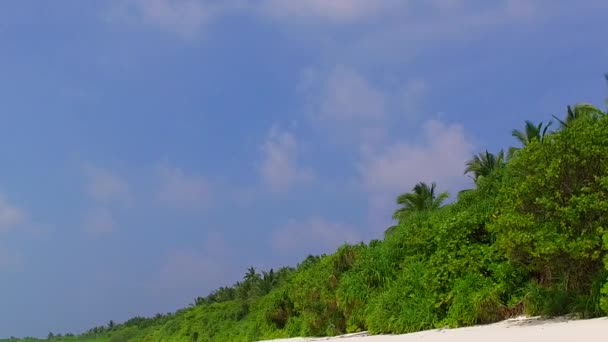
x,y
530,238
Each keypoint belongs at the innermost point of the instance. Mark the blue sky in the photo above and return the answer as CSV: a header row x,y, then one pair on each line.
x,y
152,150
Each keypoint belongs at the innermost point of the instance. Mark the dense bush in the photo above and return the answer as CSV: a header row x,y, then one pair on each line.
x,y
553,213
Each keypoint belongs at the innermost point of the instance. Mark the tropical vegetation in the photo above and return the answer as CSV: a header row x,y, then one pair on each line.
x,y
530,238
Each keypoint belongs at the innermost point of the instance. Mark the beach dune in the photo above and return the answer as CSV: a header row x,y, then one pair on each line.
x,y
512,330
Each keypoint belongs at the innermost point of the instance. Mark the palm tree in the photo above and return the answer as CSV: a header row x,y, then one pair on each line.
x,y
249,288
269,281
484,163
579,110
421,198
530,133
251,275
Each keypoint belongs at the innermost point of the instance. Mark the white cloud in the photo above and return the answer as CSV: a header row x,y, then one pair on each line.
x,y
440,157
178,189
313,236
346,95
184,18
415,20
424,28
337,10
411,20
345,104
279,167
189,18
11,216
353,109
99,222
330,10
106,187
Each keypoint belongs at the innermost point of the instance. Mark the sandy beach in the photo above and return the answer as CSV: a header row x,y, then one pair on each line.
x,y
512,330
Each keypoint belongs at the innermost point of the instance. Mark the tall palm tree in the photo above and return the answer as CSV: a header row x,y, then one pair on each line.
x,y
530,133
249,288
579,110
421,198
482,164
251,275
269,281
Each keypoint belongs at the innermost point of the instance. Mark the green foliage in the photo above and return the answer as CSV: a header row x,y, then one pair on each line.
x,y
553,206
421,198
531,238
474,299
579,110
531,132
484,164
406,305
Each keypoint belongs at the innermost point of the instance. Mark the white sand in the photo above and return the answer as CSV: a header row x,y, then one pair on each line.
x,y
513,330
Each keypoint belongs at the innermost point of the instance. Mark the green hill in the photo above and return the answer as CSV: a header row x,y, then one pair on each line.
x,y
530,238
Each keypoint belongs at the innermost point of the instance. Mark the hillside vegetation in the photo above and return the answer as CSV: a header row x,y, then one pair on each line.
x,y
530,238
